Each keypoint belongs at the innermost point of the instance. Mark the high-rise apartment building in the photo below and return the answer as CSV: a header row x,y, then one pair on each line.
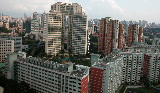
x,y
67,29
135,34
48,76
44,26
106,77
144,57
20,26
121,37
35,28
53,43
39,26
79,34
151,67
110,35
101,38
132,67
114,35
128,67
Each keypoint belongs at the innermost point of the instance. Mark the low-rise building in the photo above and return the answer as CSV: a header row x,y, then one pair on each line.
x,y
6,46
25,47
17,41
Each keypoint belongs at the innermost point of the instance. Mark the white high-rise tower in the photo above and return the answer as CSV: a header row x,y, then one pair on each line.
x,y
67,29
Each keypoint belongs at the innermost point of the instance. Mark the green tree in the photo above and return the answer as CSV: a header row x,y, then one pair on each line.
x,y
11,86
4,30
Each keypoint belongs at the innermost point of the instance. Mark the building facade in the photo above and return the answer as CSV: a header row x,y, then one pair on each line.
x,y
67,29
44,27
48,76
6,46
53,43
114,35
35,29
17,41
135,34
110,35
79,34
132,69
128,67
106,77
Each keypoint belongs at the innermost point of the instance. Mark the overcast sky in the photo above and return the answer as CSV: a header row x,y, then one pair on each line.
x,y
117,9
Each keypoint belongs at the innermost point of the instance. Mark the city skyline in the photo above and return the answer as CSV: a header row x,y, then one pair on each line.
x,y
121,10
67,50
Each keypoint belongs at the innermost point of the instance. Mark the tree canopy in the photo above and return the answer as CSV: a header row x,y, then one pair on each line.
x,y
11,86
4,30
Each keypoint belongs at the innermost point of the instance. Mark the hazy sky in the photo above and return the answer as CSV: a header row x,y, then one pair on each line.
x,y
117,9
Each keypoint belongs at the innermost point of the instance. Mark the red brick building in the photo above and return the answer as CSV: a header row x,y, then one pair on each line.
x,y
121,36
96,76
110,35
84,84
140,38
135,34
145,65
101,38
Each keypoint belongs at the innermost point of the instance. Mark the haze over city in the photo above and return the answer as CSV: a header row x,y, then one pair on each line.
x,y
117,9
79,46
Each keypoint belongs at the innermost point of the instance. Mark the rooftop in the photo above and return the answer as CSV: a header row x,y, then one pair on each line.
x,y
80,71
63,68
